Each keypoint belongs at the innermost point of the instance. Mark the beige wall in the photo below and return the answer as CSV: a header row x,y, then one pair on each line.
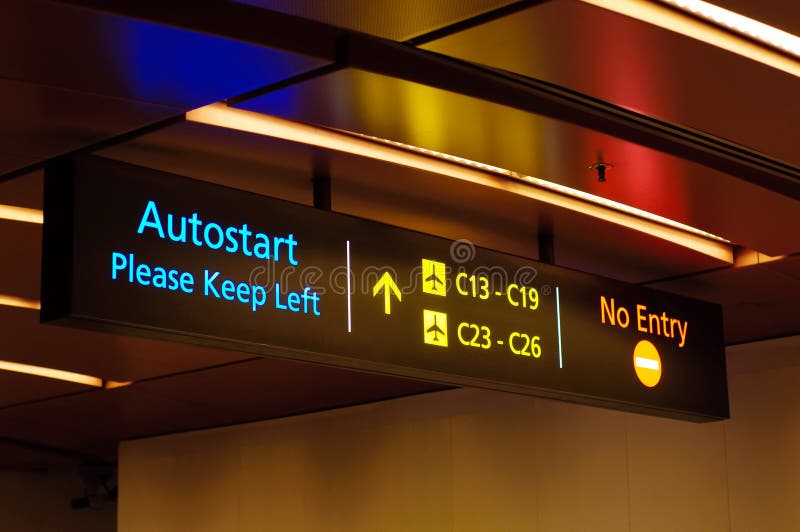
x,y
475,460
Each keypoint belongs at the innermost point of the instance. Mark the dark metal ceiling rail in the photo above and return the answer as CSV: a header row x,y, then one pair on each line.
x,y
471,22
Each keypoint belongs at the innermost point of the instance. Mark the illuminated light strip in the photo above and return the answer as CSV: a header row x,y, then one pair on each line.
x,y
51,373
746,26
349,296
21,214
569,191
558,322
20,302
397,153
715,33
61,375
646,363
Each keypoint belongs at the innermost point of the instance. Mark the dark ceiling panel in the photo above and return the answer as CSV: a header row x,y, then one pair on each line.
x,y
641,67
23,458
41,122
542,147
113,357
758,301
94,422
20,272
789,267
18,388
235,159
777,353
24,191
64,46
393,19
267,387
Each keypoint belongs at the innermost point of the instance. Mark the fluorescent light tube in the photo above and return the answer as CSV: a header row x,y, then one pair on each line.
x,y
732,32
19,302
745,26
21,214
51,373
61,375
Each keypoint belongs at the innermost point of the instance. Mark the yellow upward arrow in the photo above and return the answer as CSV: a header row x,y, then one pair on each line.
x,y
387,284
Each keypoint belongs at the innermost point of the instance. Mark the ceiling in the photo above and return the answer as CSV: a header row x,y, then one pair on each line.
x,y
115,77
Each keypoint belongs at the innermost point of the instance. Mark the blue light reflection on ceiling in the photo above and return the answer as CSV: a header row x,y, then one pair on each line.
x,y
188,69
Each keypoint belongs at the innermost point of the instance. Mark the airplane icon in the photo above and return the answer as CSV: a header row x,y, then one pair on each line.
x,y
434,279
434,327
436,330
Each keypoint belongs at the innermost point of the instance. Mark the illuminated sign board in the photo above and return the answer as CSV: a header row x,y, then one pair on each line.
x,y
135,250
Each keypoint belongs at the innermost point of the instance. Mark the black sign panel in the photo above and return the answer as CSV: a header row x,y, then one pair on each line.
x,y
135,250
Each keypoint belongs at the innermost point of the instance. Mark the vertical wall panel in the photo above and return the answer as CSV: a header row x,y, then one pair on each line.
x,y
583,474
678,479
495,472
392,477
190,482
273,480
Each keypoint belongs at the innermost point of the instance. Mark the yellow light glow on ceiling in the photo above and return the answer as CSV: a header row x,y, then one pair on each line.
x,y
61,375
21,214
51,373
19,302
538,189
716,26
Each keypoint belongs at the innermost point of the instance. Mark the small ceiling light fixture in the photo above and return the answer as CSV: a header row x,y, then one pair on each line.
x,y
600,167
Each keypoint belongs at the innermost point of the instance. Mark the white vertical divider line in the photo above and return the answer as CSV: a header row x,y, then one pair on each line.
x,y
558,321
349,304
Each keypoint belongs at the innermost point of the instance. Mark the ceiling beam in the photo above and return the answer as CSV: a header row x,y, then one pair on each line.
x,y
471,22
